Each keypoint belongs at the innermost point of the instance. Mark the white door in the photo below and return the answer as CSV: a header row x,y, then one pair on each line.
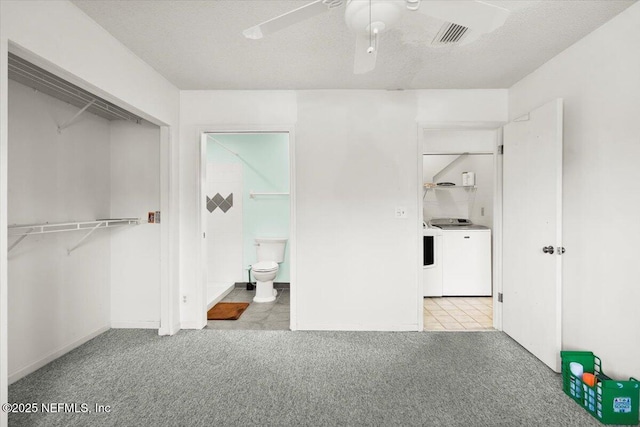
x,y
532,232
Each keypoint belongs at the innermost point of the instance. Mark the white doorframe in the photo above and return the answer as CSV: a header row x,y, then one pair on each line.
x,y
496,231
201,295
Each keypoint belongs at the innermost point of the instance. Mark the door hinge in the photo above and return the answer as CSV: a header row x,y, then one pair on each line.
x,y
501,149
499,296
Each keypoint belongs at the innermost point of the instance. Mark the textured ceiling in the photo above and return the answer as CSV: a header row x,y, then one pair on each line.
x,y
199,44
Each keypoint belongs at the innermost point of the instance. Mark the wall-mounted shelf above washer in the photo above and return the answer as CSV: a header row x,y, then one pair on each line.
x,y
430,186
457,194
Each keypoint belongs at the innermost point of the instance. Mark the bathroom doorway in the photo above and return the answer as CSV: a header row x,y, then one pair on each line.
x,y
246,194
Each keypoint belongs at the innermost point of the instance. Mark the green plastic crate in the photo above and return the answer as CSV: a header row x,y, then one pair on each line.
x,y
609,401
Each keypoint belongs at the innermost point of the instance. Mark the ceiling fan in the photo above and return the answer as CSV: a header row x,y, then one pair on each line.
x,y
465,21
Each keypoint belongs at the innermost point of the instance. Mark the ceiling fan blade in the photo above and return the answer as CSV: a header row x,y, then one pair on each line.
x,y
280,22
478,16
365,60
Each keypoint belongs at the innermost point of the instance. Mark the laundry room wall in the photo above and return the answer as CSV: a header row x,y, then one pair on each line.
x,y
475,204
598,79
58,300
356,160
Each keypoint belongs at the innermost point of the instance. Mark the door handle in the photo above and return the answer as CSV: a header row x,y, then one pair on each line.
x,y
548,250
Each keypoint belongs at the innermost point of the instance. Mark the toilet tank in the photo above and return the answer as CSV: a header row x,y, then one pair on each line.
x,y
271,248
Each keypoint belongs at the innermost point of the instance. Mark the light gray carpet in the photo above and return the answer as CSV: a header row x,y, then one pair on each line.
x,y
282,378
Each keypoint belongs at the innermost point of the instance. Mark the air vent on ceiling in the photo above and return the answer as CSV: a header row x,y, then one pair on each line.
x,y
450,33
43,81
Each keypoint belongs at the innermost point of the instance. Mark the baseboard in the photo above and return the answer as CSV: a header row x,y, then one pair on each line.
x,y
190,324
276,285
164,331
143,324
355,327
21,373
220,297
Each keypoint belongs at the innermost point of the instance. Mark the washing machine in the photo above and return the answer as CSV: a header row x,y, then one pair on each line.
x,y
465,257
432,261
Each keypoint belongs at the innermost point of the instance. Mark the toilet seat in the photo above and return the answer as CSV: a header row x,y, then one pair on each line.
x,y
264,266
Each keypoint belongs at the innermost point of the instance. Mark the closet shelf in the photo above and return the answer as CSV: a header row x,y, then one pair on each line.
x,y
90,226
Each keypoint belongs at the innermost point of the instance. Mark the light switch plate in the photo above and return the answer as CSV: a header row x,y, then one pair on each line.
x,y
401,212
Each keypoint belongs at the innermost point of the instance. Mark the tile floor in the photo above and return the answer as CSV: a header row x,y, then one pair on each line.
x,y
458,314
265,316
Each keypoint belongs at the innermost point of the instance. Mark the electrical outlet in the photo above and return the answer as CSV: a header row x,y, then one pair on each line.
x,y
482,211
184,298
401,212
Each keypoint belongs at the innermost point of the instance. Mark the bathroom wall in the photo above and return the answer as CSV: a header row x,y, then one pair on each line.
x,y
225,265
262,165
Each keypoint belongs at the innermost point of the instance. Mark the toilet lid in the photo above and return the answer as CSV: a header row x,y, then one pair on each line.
x,y
264,266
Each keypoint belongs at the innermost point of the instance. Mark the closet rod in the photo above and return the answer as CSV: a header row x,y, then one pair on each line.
x,y
72,92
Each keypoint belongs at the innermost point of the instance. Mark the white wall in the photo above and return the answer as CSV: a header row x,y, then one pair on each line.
x,y
135,251
214,110
356,159
58,36
459,140
55,35
225,242
58,300
462,106
598,78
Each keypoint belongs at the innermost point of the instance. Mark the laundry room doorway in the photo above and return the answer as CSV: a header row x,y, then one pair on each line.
x,y
458,198
247,225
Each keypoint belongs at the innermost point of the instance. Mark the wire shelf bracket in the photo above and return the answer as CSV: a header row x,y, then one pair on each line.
x,y
73,119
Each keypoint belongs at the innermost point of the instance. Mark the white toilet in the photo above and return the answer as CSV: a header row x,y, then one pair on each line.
x,y
270,252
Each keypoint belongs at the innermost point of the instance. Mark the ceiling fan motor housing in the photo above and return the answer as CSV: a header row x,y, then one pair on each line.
x,y
363,15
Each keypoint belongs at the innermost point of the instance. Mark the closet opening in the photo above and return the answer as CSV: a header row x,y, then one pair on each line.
x,y
84,213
